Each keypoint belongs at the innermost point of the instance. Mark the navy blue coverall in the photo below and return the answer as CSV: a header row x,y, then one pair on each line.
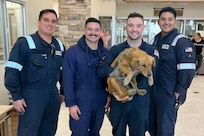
x,y
134,113
83,87
31,73
175,71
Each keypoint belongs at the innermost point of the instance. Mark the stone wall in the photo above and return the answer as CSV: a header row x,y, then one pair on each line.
x,y
72,16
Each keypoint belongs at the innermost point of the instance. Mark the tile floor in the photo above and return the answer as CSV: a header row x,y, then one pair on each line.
x,y
190,120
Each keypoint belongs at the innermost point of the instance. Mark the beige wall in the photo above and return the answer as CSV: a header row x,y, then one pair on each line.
x,y
103,8
33,7
4,97
122,10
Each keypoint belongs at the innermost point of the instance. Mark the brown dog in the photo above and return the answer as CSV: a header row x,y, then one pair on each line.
x,y
131,61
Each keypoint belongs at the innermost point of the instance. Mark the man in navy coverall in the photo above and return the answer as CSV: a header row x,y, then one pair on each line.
x,y
175,71
84,90
32,71
134,113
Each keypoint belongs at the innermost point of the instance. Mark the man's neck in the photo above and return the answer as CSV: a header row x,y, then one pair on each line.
x,y
163,34
48,39
92,45
134,43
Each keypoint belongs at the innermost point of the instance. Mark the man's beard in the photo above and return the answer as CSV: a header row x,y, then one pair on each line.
x,y
138,37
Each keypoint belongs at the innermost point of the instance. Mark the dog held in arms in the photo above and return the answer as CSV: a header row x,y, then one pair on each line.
x,y
127,64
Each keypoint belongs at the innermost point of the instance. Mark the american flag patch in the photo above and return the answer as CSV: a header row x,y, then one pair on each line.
x,y
188,49
156,53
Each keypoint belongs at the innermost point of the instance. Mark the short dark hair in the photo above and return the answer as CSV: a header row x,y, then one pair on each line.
x,y
91,19
135,14
44,11
198,34
168,9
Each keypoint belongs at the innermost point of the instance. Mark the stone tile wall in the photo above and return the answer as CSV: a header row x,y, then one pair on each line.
x,y
72,16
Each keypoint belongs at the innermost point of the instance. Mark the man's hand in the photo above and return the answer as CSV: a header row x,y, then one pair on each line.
x,y
108,102
120,99
112,73
105,36
115,71
74,111
20,105
61,98
177,95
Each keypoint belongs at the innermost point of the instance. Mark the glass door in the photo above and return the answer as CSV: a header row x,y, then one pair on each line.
x,y
194,25
1,33
15,22
109,23
121,34
12,25
151,29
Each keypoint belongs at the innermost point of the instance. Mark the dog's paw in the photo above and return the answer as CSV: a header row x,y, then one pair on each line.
x,y
126,81
129,98
124,99
128,78
150,81
141,92
131,92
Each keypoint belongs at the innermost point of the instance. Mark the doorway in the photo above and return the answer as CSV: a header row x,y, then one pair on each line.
x,y
12,25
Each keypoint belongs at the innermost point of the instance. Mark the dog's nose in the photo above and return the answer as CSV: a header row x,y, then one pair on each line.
x,y
150,74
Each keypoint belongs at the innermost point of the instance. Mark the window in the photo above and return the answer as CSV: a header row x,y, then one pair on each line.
x,y
106,22
1,36
14,22
12,25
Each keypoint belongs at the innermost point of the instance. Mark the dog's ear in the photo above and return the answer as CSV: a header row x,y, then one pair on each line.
x,y
135,62
127,55
134,52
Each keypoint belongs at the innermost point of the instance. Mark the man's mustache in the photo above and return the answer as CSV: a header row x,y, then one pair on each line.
x,y
93,34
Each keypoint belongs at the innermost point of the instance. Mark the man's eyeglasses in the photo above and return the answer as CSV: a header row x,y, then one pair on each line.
x,y
52,52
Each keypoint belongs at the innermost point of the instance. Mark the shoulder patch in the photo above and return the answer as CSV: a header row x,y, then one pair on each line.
x,y
156,53
188,49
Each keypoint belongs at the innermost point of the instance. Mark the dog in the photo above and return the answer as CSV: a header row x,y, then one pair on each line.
x,y
128,63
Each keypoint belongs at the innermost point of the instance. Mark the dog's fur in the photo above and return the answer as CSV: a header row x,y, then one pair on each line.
x,y
133,61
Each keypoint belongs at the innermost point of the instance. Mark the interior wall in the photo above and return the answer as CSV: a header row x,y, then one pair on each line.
x,y
33,7
4,97
147,10
106,8
103,8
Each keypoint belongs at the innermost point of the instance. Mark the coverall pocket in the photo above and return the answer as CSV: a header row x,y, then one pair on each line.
x,y
167,54
36,62
167,57
37,69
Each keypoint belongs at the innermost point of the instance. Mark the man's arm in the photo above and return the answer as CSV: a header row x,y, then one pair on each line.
x,y
14,67
12,78
68,70
105,70
185,66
